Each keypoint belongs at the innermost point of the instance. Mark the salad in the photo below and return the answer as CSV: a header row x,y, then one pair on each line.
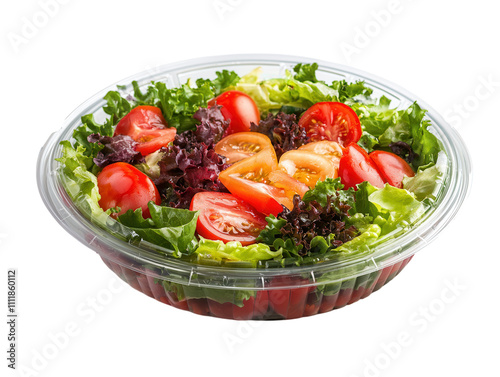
x,y
256,173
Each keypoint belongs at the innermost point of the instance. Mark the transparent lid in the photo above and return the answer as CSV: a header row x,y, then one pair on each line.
x,y
143,255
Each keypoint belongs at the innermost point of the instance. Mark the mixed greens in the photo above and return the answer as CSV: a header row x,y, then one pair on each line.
x,y
327,223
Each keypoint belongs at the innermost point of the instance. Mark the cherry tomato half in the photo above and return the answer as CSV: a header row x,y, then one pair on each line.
x,y
227,218
356,167
122,185
239,108
332,121
249,179
327,148
392,168
307,167
146,125
241,145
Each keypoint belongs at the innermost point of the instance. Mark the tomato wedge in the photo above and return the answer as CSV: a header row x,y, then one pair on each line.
x,y
227,218
249,180
327,148
239,108
307,167
332,121
356,167
392,168
292,186
146,125
264,198
241,145
122,185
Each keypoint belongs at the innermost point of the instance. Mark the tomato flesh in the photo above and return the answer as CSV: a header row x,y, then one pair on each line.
x,y
239,108
146,125
356,167
227,218
392,168
264,198
249,180
334,121
241,145
307,167
122,185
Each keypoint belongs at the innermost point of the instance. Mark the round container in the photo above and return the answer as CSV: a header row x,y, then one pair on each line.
x,y
266,292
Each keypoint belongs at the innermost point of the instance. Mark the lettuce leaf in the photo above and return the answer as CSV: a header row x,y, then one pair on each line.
x,y
222,295
224,79
398,207
428,180
391,126
172,228
79,182
234,251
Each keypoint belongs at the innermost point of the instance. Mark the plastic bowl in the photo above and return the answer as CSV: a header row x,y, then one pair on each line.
x,y
268,293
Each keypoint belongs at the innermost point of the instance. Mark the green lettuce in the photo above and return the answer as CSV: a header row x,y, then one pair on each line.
x,y
178,105
301,90
428,180
234,251
383,126
224,80
172,228
79,182
222,295
398,207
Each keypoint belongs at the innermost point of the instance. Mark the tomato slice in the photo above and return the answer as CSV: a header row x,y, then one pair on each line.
x,y
241,145
249,179
154,140
392,168
332,121
307,167
239,108
227,218
292,186
327,148
356,167
122,185
146,125
264,198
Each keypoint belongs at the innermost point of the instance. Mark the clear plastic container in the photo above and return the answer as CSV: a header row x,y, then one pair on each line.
x,y
266,292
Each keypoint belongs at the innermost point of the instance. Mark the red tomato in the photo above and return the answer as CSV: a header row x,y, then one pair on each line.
x,y
251,180
392,168
239,108
241,145
288,303
146,125
332,121
122,185
227,218
356,167
264,198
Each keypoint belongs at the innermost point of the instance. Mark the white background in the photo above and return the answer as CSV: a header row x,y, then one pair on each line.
x,y
442,51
